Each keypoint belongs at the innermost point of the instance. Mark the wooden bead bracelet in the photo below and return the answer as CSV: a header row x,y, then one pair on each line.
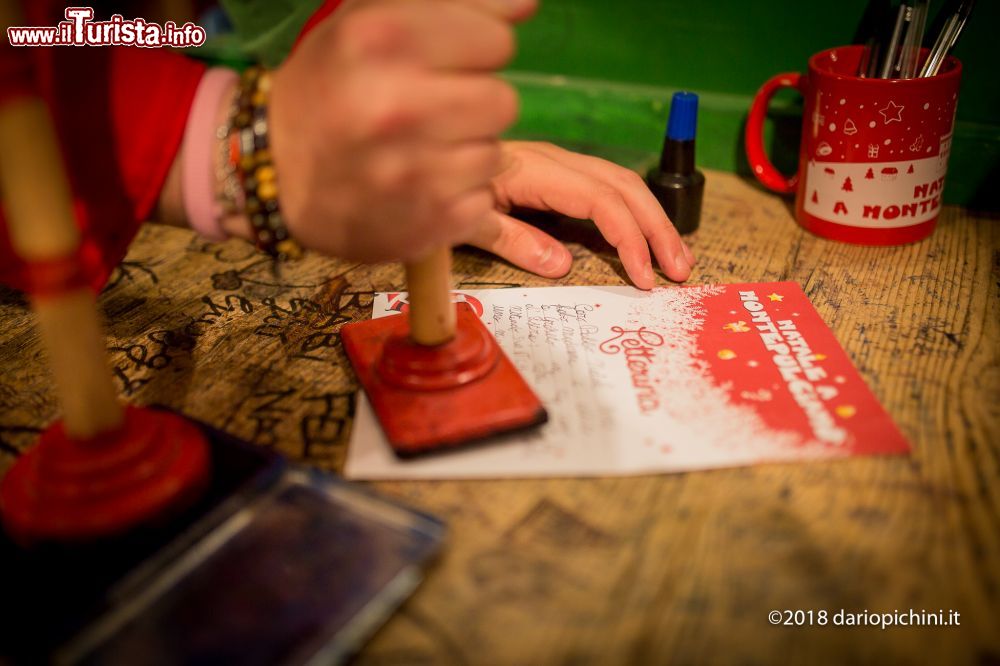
x,y
250,152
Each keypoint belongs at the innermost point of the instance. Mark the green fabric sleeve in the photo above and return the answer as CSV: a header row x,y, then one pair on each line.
x,y
266,29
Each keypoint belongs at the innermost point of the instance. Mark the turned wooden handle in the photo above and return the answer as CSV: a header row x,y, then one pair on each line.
x,y
42,227
432,314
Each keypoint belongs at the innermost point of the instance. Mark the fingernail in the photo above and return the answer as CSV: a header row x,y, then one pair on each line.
x,y
682,264
688,254
648,274
545,256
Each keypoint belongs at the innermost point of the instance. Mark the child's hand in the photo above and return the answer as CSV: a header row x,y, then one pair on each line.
x,y
384,131
546,177
384,125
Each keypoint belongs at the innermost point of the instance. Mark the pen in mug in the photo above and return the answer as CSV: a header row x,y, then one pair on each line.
x,y
868,67
891,56
910,53
873,33
947,38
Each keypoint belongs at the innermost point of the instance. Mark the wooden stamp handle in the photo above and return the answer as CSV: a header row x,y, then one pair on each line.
x,y
42,227
432,314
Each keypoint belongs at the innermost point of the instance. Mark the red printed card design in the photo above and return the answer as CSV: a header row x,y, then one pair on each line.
x,y
680,378
769,344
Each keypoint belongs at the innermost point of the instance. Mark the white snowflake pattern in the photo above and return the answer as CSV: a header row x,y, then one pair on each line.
x,y
827,392
700,409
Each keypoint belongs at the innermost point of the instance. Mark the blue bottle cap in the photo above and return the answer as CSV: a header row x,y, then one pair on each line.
x,y
683,116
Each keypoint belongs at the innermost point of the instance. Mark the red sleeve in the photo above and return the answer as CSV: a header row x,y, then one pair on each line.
x,y
120,114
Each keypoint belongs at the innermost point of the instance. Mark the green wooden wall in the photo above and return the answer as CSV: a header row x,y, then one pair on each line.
x,y
598,73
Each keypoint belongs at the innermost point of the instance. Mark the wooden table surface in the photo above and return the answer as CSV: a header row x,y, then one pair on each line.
x,y
678,568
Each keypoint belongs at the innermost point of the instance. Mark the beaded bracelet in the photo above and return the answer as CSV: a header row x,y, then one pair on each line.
x,y
252,155
229,193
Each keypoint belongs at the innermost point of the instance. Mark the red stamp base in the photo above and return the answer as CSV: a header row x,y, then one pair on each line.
x,y
432,398
68,490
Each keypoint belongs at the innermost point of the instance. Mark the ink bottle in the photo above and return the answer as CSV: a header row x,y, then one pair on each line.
x,y
675,183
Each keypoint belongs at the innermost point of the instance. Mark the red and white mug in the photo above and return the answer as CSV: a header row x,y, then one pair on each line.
x,y
874,152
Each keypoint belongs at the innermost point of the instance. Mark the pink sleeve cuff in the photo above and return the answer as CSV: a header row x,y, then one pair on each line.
x,y
198,167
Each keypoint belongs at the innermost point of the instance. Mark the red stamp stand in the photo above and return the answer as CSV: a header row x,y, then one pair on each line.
x,y
433,397
436,376
66,489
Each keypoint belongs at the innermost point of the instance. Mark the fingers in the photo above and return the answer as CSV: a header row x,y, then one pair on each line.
x,y
447,108
466,214
541,182
672,253
470,107
453,223
619,229
460,168
439,171
523,245
436,34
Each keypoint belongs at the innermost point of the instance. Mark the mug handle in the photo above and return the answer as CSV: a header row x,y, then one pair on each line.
x,y
761,165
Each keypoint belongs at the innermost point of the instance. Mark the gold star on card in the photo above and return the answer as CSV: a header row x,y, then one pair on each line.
x,y
737,327
845,411
776,297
